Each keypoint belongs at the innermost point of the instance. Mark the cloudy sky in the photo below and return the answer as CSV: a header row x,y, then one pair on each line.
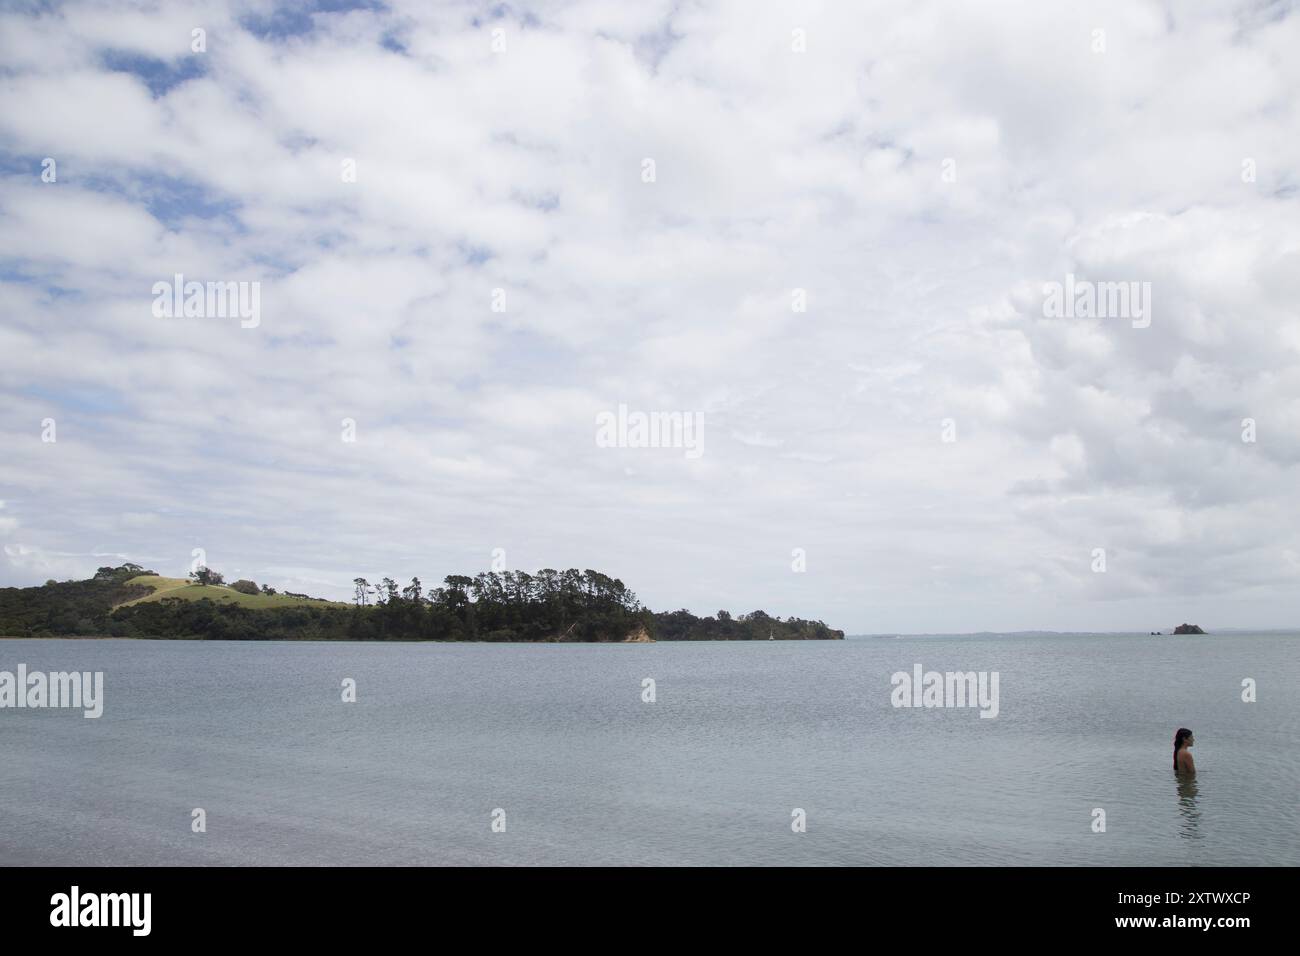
x,y
836,258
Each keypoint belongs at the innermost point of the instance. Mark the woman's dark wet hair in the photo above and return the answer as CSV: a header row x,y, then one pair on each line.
x,y
1179,739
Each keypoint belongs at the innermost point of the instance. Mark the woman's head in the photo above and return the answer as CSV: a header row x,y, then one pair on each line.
x,y
1182,739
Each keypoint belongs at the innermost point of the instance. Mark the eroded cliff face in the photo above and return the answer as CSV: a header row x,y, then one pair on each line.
x,y
638,635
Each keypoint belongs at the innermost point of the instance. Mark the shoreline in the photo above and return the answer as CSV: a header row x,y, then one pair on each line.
x,y
226,640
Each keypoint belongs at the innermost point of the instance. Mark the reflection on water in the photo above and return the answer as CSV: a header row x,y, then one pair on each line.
x,y
1189,824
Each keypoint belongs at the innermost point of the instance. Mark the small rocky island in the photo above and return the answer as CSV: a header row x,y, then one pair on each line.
x,y
1188,629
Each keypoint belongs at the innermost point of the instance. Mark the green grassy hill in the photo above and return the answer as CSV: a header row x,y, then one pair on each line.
x,y
552,606
187,590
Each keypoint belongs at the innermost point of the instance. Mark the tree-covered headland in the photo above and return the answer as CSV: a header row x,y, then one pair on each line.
x,y
548,606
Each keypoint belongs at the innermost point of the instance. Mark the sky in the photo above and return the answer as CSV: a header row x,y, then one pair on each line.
x,y
823,234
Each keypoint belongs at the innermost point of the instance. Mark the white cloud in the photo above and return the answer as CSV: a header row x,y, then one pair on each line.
x,y
522,171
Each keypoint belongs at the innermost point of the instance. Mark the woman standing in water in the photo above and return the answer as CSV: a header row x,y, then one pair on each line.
x,y
1183,762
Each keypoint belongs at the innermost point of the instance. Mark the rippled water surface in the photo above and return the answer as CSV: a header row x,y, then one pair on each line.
x,y
587,773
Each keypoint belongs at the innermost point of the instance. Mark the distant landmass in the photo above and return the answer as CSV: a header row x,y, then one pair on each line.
x,y
1188,629
547,607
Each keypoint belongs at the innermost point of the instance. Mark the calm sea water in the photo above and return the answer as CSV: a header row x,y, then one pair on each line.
x,y
587,773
